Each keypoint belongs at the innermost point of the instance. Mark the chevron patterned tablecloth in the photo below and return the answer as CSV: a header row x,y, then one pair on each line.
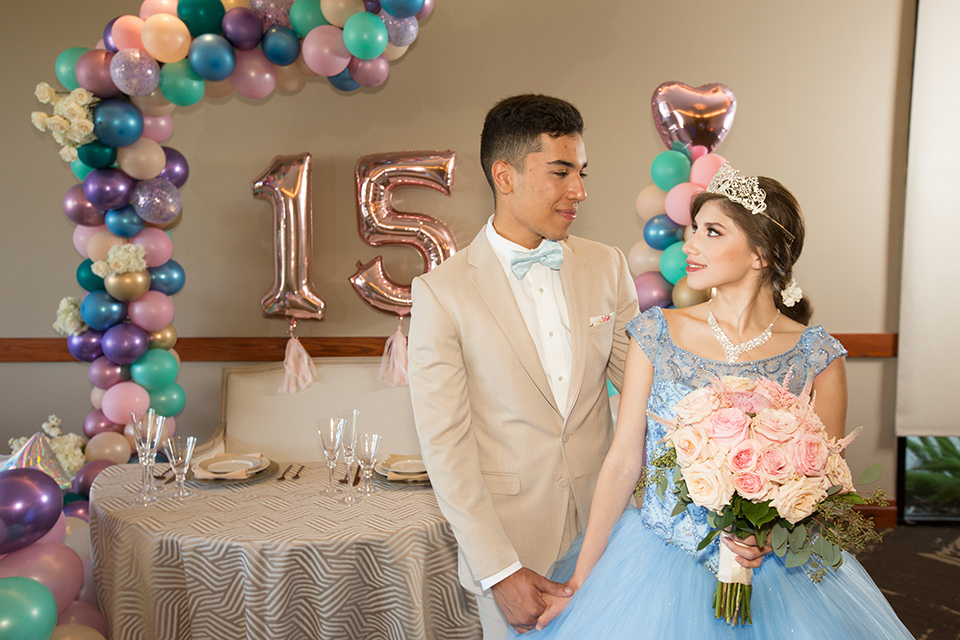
x,y
275,560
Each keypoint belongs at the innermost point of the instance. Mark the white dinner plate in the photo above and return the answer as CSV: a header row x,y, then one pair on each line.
x,y
414,479
405,465
230,464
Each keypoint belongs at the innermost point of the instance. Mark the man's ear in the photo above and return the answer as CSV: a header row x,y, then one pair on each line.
x,y
504,176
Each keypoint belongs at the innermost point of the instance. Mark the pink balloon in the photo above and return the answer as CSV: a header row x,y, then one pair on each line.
x,y
678,199
88,589
157,128
324,51
653,290
93,73
56,566
57,532
122,398
96,422
157,244
369,73
108,445
151,7
426,10
254,76
698,150
703,168
151,312
85,614
126,32
82,235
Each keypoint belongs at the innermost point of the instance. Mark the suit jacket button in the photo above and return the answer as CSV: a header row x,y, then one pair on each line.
x,y
563,482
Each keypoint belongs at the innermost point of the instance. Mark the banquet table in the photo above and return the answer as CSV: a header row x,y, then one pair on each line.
x,y
275,559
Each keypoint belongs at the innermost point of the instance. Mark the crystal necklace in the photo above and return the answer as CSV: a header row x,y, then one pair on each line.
x,y
731,350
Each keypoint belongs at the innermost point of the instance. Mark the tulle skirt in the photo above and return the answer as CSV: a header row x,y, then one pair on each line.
x,y
644,587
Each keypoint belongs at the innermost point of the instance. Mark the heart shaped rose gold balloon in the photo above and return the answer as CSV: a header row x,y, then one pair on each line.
x,y
693,115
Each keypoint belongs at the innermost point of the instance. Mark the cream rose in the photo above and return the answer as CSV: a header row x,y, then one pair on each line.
x,y
39,120
46,94
838,473
708,486
69,154
729,427
744,456
810,454
689,443
72,111
775,463
775,425
58,124
799,498
81,96
84,126
752,486
697,405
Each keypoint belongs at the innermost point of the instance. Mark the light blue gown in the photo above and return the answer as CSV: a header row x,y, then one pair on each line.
x,y
652,583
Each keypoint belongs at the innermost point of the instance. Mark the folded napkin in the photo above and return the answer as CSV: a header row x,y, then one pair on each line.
x,y
239,474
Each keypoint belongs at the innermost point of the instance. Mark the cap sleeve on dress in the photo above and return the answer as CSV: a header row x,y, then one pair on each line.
x,y
647,329
822,348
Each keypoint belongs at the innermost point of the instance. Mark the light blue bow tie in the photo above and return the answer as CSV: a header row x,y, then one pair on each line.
x,y
549,254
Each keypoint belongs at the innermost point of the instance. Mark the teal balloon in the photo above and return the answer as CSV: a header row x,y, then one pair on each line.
x,y
155,370
97,155
66,66
79,169
201,16
673,263
169,400
365,35
28,610
123,222
180,84
305,15
87,278
669,169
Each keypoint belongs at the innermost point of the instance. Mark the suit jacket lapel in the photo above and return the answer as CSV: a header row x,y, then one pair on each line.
x,y
491,283
575,276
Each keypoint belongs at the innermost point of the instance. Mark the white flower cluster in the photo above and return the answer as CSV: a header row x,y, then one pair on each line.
x,y
69,322
68,447
16,443
121,258
792,294
71,123
52,426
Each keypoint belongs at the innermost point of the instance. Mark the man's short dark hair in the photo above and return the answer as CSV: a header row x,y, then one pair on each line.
x,y
512,128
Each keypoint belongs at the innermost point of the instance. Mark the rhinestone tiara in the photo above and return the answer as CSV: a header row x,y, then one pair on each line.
x,y
744,190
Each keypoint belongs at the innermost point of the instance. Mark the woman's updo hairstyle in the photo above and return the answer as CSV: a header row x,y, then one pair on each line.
x,y
770,239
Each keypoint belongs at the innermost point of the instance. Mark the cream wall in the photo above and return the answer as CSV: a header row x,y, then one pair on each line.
x,y
823,93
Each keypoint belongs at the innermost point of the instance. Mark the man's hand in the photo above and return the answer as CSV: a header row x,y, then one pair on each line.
x,y
520,597
749,554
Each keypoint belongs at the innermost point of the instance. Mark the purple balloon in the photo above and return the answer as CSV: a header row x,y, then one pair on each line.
x,y
373,6
79,210
81,484
81,508
104,373
242,28
108,36
124,343
108,188
96,422
85,346
93,73
176,170
156,200
30,504
653,290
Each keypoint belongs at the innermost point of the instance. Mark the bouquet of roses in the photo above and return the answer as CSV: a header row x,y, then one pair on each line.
x,y
759,459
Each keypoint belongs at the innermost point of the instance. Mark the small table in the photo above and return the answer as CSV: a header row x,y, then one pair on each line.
x,y
273,559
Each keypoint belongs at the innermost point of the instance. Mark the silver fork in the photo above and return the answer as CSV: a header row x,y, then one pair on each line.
x,y
296,476
284,473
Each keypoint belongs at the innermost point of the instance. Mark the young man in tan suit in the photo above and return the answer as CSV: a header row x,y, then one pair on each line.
x,y
511,343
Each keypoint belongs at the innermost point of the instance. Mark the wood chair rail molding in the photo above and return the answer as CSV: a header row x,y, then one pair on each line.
x,y
859,345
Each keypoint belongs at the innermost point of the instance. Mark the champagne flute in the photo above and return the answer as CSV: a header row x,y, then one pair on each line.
x,y
367,447
179,450
147,427
348,444
331,433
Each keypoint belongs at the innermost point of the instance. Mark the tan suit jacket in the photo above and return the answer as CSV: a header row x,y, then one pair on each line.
x,y
502,459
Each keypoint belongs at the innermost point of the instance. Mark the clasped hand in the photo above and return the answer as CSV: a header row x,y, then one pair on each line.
x,y
524,596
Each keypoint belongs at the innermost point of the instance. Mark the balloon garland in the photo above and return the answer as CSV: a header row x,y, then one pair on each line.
x,y
692,122
112,126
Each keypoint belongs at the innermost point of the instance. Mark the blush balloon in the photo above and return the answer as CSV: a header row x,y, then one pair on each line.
x,y
123,398
108,445
157,245
95,422
55,566
78,209
82,235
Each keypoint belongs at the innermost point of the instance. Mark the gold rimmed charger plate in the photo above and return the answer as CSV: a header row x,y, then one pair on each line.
x,y
264,473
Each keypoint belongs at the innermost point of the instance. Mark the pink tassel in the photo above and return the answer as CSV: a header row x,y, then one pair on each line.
x,y
299,370
393,366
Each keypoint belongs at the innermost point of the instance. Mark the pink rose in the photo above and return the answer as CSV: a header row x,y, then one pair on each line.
x,y
729,427
838,473
708,486
689,443
810,454
697,405
776,463
751,486
744,456
749,402
799,498
775,426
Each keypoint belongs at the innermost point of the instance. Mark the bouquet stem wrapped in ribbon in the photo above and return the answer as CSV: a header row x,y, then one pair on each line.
x,y
759,459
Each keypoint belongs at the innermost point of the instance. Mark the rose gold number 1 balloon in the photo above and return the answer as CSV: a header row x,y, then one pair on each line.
x,y
286,186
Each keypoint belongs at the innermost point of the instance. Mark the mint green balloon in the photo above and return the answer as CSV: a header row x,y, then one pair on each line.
x,y
180,84
155,370
669,169
28,610
673,262
79,169
66,67
305,15
169,400
365,35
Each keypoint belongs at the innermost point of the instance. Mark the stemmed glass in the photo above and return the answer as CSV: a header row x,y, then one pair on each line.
x,y
330,434
179,450
147,427
348,444
367,447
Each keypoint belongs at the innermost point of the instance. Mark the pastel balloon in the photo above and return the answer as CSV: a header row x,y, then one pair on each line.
x,y
78,209
165,338
82,235
143,160
105,373
93,73
168,278
642,258
123,222
369,73
280,45
272,12
154,104
201,16
669,169
101,311
88,590
242,28
337,12
653,290
95,422
65,66
651,201
126,32
678,200
86,615
156,200
81,485
703,168
426,10
305,15
684,296
121,399
152,311
151,7
214,90
155,370
697,151
28,610
402,8
157,128
365,36
212,57
254,76
169,400
393,52
86,345
81,508
79,169
54,565
324,51
108,445
180,84
165,37
693,115
157,245
124,343
290,78
77,535
108,188
401,32
343,81
56,532
31,505
99,245
175,167
134,72
673,264
117,123
660,232
96,397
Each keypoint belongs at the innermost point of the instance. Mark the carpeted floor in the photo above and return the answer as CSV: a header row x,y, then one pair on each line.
x,y
918,568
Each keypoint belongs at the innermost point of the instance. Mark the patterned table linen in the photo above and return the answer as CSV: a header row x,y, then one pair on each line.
x,y
275,560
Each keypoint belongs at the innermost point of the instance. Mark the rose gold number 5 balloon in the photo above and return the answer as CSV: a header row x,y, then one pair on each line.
x,y
286,186
378,176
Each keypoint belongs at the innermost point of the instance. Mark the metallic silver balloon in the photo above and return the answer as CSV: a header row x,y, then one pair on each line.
x,y
378,176
286,186
693,115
